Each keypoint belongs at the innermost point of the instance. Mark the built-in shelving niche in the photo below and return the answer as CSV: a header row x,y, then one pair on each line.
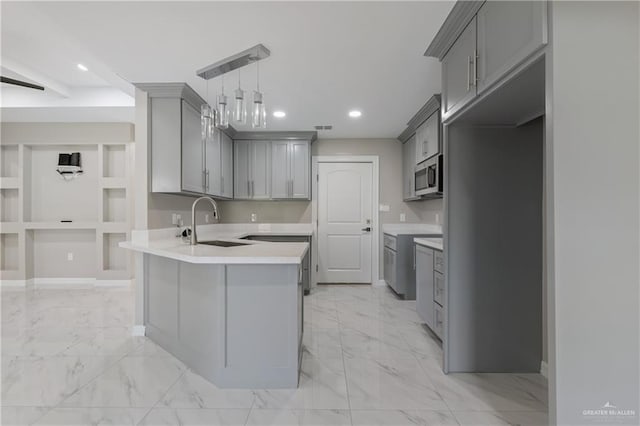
x,y
114,205
9,255
35,199
9,161
9,203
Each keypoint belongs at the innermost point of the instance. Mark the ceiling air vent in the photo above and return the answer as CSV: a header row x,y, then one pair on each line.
x,y
323,127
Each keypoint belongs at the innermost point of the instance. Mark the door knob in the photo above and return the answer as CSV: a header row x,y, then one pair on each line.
x,y
367,229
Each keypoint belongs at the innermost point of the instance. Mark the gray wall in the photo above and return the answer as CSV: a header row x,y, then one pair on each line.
x,y
593,210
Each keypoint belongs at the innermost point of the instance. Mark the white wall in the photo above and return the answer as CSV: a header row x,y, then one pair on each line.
x,y
593,210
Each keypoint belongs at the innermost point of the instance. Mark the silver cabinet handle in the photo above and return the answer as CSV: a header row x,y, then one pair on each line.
x,y
414,257
475,68
222,184
204,180
248,189
252,190
468,73
207,179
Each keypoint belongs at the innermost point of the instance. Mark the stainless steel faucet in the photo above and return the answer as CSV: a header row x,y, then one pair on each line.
x,y
194,237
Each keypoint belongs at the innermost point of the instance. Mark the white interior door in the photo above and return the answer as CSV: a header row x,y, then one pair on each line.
x,y
345,213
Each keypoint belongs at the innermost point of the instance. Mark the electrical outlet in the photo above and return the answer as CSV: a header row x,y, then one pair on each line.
x,y
69,256
254,217
174,219
206,218
403,217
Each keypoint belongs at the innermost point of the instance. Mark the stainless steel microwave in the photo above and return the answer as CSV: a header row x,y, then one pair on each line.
x,y
428,176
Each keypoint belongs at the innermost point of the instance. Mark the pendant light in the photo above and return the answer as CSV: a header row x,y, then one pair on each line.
x,y
207,118
239,108
223,110
259,115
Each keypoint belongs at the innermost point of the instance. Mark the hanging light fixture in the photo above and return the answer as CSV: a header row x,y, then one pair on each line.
x,y
239,108
259,115
207,118
223,110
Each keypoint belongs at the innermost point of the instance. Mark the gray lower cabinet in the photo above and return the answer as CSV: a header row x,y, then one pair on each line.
x,y
431,294
424,284
306,263
290,170
399,263
252,169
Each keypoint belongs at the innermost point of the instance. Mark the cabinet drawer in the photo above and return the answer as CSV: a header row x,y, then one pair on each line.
x,y
390,241
438,261
438,320
438,288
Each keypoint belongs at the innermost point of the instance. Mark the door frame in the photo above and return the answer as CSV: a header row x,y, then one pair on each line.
x,y
375,203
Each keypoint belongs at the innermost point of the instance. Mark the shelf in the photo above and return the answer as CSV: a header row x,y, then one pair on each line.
x,y
10,227
109,182
60,225
9,257
114,205
9,203
9,161
9,182
114,161
114,258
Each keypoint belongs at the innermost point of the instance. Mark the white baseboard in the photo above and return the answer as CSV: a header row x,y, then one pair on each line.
x,y
379,283
138,330
544,370
64,283
18,284
113,283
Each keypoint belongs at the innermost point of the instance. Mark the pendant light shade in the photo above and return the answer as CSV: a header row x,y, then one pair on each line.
x,y
239,106
223,112
207,121
259,113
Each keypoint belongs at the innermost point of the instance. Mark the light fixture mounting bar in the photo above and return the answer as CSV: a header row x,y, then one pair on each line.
x,y
234,62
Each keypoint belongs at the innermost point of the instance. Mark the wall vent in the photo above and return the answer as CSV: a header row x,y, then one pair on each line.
x,y
323,127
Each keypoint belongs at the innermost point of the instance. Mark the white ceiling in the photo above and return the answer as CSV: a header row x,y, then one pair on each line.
x,y
326,57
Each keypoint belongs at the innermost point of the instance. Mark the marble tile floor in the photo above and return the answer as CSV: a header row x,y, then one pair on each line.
x,y
68,359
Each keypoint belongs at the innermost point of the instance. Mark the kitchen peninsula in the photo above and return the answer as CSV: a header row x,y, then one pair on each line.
x,y
232,311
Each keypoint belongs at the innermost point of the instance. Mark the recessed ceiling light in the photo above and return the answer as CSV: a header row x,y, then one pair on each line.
x,y
355,113
279,114
82,67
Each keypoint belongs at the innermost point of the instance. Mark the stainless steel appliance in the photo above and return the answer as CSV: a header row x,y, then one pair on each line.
x,y
428,176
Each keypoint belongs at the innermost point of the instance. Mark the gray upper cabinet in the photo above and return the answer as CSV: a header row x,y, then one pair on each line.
x,y
508,32
408,169
458,69
252,170
290,170
428,138
227,166
193,178
181,162
481,43
218,176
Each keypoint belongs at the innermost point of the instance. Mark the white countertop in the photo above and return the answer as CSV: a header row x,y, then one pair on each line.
x,y
163,242
434,243
396,229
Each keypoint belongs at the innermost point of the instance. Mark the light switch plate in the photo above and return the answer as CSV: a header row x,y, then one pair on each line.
x,y
254,217
403,217
384,207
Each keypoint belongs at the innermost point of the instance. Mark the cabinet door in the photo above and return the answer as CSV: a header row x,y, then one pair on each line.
x,y
508,32
457,70
261,170
280,170
241,169
300,175
227,166
213,171
408,169
192,173
424,284
431,144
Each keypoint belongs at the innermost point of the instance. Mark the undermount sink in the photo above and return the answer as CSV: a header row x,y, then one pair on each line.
x,y
220,243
